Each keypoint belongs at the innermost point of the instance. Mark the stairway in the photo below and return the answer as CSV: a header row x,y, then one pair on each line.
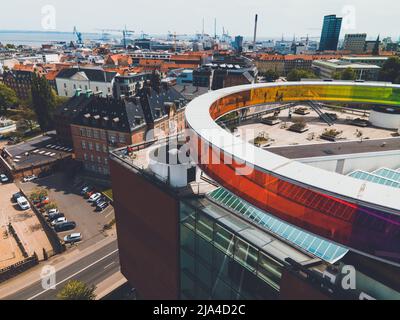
x,y
314,105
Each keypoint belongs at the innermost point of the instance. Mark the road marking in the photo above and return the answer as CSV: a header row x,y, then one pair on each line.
x,y
73,275
109,265
109,214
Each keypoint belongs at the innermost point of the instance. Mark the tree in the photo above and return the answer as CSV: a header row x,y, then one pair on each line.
x,y
391,70
348,74
8,98
27,118
271,75
43,101
77,290
298,74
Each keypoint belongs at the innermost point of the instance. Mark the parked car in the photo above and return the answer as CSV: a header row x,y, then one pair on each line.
x,y
29,178
89,193
59,220
56,216
72,238
99,200
16,196
23,203
94,197
52,211
103,205
85,189
65,226
4,178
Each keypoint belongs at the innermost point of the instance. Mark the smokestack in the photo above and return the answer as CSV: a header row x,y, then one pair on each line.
x,y
255,32
215,28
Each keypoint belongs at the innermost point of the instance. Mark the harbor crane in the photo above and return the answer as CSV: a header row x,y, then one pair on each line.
x,y
78,35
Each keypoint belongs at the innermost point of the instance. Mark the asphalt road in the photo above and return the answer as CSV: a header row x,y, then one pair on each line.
x,y
91,269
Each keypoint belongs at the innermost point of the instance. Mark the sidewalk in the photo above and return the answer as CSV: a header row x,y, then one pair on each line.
x,y
110,284
59,262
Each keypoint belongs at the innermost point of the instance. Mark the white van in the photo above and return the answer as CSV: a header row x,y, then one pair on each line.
x,y
23,203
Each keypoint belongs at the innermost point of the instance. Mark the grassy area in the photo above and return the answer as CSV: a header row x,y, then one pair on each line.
x,y
108,193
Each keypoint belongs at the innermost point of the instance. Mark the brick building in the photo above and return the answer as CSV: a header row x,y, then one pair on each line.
x,y
104,124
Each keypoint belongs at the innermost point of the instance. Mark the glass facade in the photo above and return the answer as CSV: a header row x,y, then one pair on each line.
x,y
330,33
217,263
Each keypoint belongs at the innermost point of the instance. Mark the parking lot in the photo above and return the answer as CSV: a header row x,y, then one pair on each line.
x,y
65,192
26,226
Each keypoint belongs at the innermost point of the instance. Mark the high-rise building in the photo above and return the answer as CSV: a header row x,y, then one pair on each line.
x,y
330,33
238,44
355,42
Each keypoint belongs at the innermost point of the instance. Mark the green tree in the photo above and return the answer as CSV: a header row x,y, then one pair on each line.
x,y
271,75
391,70
77,290
8,98
348,74
298,74
337,75
43,102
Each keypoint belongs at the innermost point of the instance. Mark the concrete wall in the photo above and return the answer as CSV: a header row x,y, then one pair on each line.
x,y
65,87
346,164
385,120
147,220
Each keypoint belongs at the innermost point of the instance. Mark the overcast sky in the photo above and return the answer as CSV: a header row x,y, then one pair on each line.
x,y
276,17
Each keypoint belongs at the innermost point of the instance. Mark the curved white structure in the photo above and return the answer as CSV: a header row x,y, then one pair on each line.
x,y
363,216
388,118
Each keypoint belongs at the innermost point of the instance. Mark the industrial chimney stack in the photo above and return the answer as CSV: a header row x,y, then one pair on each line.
x,y
255,32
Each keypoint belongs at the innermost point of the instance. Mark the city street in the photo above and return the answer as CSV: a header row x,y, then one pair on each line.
x,y
91,266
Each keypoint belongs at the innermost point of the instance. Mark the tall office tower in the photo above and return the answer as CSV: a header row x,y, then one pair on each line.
x,y
355,42
330,33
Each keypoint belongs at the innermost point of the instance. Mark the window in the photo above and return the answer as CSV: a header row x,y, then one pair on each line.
x,y
96,134
104,148
99,159
83,144
205,227
90,145
246,255
112,138
223,240
83,132
97,147
106,161
89,133
85,156
65,85
122,138
103,135
92,158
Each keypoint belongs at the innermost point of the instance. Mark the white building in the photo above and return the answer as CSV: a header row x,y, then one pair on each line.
x,y
326,69
96,80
